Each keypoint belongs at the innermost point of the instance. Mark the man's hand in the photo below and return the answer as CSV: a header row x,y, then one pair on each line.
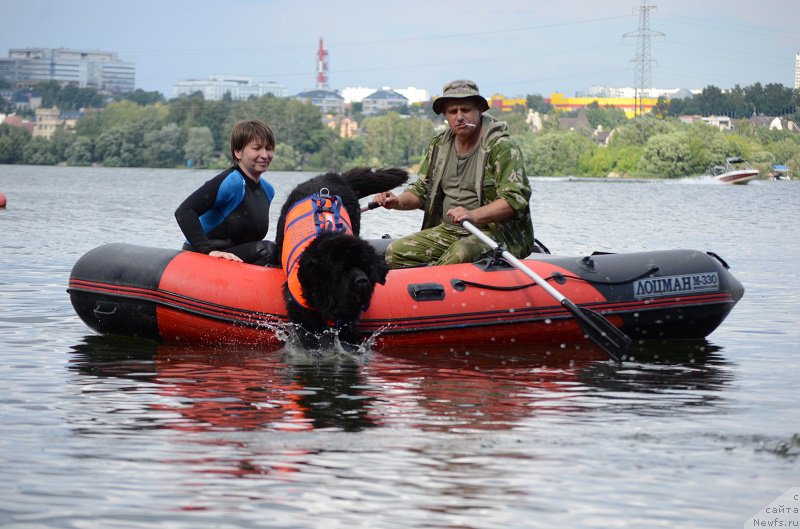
x,y
460,214
387,199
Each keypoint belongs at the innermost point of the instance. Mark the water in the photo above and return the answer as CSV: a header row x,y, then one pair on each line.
x,y
109,432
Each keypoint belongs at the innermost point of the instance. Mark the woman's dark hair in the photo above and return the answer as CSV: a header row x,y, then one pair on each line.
x,y
246,131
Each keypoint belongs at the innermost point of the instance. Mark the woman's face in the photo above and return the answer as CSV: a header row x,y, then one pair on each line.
x,y
255,158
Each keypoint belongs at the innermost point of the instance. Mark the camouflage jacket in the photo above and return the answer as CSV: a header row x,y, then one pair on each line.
x,y
503,176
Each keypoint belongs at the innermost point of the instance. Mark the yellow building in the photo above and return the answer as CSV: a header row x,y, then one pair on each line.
x,y
506,104
627,104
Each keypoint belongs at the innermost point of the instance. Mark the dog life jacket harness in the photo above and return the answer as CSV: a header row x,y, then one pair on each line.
x,y
306,219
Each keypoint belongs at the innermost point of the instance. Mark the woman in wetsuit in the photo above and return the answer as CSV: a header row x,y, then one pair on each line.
x,y
228,216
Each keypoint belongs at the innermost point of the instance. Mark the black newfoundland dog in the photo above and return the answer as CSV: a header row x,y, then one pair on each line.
x,y
331,272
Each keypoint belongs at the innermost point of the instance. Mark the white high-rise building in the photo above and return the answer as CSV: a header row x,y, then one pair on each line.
x,y
797,71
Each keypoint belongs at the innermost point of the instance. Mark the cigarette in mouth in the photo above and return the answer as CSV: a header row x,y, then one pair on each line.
x,y
470,125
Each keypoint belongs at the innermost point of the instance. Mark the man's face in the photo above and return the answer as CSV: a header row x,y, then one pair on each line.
x,y
463,116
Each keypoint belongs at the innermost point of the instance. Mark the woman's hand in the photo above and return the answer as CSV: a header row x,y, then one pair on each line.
x,y
225,255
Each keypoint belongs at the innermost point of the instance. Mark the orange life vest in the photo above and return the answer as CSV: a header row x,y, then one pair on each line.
x,y
305,220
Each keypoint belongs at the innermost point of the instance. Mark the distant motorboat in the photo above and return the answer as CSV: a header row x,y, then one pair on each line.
x,y
735,171
780,172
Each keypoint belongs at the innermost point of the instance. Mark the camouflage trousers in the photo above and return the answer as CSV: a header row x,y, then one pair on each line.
x,y
440,245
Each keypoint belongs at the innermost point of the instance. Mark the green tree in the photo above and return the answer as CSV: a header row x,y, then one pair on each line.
x,y
741,146
286,158
605,161
80,152
68,97
784,150
49,90
707,146
537,103
38,151
637,131
667,155
73,98
794,163
199,146
553,153
395,140
516,121
183,110
121,146
60,142
121,114
295,123
682,106
328,158
626,159
754,95
352,148
711,101
194,111
737,104
91,125
607,117
382,140
661,110
777,100
143,98
164,147
596,162
12,141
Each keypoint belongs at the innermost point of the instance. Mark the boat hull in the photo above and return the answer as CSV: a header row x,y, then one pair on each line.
x,y
742,176
186,297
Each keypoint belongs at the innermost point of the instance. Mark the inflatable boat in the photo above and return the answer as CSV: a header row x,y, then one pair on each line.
x,y
176,296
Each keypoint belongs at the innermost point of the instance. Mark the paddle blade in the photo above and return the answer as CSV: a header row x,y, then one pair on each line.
x,y
601,331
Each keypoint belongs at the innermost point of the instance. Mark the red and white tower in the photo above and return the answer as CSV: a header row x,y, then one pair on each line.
x,y
322,66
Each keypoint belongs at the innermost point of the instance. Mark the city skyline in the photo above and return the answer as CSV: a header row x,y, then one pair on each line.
x,y
512,47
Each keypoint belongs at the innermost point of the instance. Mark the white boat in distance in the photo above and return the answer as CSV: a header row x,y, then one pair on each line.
x,y
780,172
735,171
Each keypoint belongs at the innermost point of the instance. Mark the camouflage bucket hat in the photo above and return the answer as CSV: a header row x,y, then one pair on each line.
x,y
460,89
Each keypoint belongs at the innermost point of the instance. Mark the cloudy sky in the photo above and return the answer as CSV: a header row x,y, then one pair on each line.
x,y
511,47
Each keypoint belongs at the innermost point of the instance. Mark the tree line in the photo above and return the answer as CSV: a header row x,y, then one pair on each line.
x,y
772,99
144,130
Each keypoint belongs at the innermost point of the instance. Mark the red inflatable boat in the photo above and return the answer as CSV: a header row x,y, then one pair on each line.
x,y
175,296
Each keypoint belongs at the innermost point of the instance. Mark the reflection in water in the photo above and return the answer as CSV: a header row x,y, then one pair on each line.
x,y
434,389
666,376
486,391
212,399
222,389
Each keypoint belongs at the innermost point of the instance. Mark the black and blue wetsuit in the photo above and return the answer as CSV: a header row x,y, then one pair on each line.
x,y
229,213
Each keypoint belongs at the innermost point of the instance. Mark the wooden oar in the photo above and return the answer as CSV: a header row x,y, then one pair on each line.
x,y
597,328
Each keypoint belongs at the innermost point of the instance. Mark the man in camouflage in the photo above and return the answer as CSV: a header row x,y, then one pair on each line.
x,y
473,171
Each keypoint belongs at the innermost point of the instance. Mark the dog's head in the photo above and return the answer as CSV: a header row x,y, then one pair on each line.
x,y
338,273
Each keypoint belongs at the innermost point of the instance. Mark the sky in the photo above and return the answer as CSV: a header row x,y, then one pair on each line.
x,y
509,47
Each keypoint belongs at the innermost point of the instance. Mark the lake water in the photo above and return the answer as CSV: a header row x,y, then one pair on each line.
x,y
108,432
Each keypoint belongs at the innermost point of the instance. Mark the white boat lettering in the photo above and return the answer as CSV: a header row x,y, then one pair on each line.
x,y
671,285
